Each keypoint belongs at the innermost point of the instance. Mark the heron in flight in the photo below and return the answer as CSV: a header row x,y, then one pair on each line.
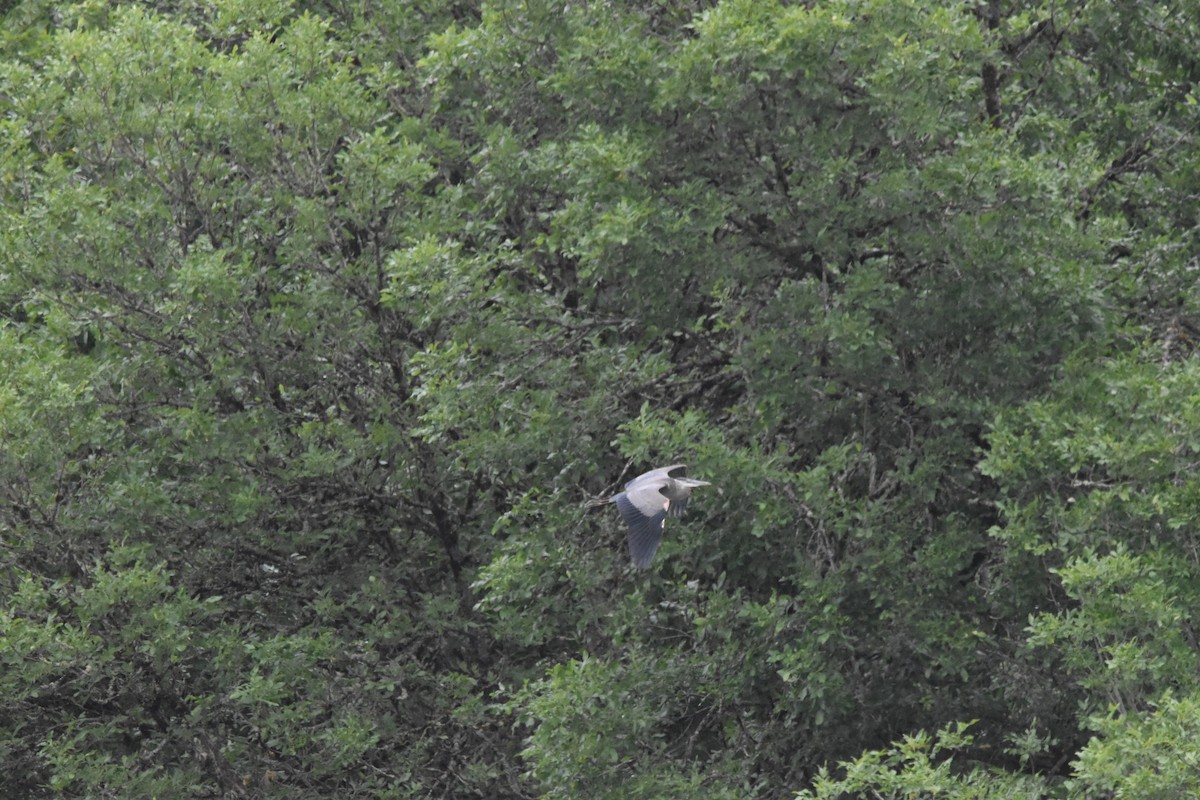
x,y
646,503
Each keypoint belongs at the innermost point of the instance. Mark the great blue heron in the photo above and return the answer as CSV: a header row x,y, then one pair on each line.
x,y
646,503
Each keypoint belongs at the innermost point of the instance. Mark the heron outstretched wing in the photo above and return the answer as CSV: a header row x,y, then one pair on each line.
x,y
645,530
678,506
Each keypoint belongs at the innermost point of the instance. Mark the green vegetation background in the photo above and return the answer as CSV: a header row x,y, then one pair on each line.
x,y
320,322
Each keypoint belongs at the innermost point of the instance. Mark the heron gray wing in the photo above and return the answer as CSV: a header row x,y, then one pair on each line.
x,y
645,530
648,495
678,506
660,474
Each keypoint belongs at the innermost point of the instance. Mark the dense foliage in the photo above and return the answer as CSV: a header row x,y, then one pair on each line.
x,y
320,322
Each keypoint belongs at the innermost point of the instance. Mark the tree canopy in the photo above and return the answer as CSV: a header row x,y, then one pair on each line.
x,y
320,322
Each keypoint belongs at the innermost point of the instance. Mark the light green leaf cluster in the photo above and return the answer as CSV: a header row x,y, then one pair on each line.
x,y
922,765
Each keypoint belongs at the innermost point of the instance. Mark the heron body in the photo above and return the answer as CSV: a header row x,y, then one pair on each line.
x,y
646,503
